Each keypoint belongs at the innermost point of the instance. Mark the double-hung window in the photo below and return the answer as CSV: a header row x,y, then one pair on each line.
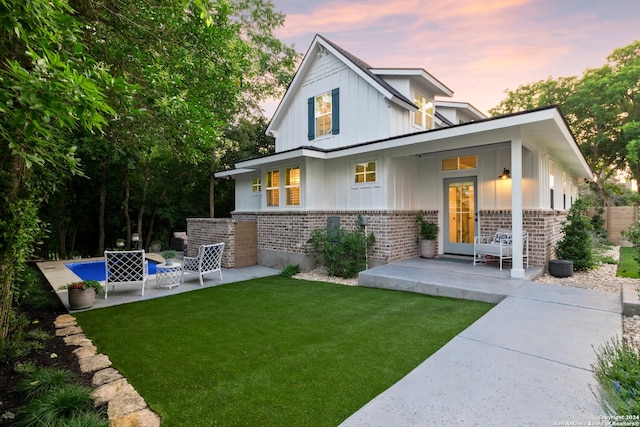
x,y
273,188
292,186
424,116
324,114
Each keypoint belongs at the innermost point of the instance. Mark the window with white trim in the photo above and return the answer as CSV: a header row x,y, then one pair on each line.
x,y
424,116
256,185
365,172
273,188
292,186
323,114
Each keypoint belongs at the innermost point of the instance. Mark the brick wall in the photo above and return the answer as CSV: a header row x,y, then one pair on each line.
x,y
544,227
204,231
286,233
282,236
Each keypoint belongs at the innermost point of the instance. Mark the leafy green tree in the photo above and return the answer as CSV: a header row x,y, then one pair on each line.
x,y
49,87
602,108
196,66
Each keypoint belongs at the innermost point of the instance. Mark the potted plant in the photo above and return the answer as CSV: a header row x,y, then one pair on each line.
x,y
120,244
169,256
82,294
428,232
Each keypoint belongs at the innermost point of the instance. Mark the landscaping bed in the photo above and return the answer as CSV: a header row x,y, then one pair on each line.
x,y
54,353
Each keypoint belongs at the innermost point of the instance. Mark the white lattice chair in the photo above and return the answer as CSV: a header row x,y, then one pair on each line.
x,y
499,246
125,267
208,260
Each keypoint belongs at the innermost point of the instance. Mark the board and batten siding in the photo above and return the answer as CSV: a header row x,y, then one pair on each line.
x,y
364,114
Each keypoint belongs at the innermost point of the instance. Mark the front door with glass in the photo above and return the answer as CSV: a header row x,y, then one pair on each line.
x,y
460,215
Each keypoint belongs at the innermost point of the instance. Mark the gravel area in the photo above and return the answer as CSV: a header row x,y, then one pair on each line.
x,y
602,278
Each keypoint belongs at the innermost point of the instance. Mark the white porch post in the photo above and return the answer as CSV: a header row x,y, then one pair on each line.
x,y
517,270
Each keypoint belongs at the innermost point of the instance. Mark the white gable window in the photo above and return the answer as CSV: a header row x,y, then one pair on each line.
x,y
365,172
292,186
324,114
273,188
424,116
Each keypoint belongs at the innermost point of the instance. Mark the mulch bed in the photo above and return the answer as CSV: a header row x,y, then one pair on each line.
x,y
54,354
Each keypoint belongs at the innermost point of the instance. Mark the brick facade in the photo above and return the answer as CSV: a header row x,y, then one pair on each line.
x,y
282,236
543,225
204,231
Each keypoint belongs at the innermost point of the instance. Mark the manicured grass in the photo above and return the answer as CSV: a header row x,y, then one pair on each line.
x,y
627,265
273,351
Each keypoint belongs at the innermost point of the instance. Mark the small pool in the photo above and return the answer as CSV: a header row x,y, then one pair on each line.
x,y
94,270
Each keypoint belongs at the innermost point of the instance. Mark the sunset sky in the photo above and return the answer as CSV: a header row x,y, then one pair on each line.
x,y
479,49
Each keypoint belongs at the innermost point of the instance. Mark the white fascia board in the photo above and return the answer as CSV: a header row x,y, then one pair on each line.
x,y
461,106
232,172
293,86
573,146
279,157
421,73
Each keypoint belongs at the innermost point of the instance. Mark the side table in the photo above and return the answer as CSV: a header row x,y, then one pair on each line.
x,y
168,276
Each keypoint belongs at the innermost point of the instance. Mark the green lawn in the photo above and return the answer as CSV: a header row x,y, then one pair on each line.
x,y
273,351
627,265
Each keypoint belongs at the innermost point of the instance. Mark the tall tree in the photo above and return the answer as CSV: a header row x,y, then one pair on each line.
x,y
197,65
602,108
49,87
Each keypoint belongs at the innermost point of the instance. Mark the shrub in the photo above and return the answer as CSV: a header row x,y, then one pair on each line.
x,y
597,225
342,252
617,370
632,234
576,245
57,407
42,381
290,271
19,341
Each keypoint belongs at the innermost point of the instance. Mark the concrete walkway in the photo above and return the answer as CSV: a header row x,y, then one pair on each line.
x,y
527,362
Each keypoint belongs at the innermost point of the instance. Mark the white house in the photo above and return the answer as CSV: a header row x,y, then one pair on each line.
x,y
356,140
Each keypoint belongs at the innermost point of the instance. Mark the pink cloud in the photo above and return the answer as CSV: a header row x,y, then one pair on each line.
x,y
477,48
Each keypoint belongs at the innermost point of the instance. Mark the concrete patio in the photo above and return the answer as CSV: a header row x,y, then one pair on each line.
x,y
57,275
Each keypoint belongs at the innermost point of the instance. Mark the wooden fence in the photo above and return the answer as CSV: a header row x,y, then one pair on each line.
x,y
618,219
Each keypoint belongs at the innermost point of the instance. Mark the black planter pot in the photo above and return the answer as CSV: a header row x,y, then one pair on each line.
x,y
561,268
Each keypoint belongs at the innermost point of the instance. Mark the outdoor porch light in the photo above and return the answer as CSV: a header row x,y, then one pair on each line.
x,y
506,174
135,237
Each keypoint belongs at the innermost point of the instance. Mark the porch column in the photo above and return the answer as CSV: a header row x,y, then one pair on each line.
x,y
517,268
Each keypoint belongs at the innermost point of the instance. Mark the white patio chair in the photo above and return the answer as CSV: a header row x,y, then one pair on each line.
x,y
125,267
208,260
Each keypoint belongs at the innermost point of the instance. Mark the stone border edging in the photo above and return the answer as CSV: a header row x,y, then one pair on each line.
x,y
125,407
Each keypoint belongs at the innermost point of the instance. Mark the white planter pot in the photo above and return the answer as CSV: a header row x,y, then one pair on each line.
x,y
427,248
